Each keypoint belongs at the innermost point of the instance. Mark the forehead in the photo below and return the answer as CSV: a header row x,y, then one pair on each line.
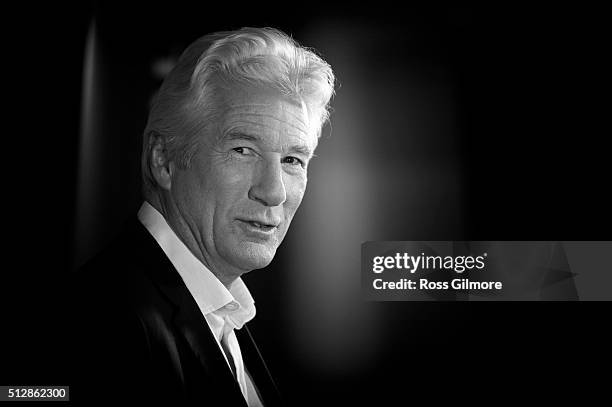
x,y
265,113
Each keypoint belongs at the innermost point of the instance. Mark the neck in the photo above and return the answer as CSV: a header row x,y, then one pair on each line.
x,y
191,239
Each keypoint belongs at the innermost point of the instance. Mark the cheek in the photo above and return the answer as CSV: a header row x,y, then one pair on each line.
x,y
230,188
295,188
188,189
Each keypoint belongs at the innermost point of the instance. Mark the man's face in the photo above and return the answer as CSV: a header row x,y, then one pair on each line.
x,y
246,182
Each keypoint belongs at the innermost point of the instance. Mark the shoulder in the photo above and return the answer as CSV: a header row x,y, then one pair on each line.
x,y
118,279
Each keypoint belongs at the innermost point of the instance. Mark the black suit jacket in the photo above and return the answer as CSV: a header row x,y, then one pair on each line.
x,y
138,334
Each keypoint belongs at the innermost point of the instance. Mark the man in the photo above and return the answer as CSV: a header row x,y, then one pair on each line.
x,y
230,134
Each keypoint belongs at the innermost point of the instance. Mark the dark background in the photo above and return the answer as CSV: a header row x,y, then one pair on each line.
x,y
449,123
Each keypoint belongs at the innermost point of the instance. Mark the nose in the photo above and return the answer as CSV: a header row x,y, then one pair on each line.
x,y
268,186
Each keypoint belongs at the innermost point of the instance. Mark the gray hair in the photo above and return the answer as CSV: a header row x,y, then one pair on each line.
x,y
187,103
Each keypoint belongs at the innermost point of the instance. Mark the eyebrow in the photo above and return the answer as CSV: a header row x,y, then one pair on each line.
x,y
240,136
300,149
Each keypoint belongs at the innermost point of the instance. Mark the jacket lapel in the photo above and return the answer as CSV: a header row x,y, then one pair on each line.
x,y
256,366
191,324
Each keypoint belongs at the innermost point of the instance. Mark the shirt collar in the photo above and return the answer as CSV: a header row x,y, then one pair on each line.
x,y
208,292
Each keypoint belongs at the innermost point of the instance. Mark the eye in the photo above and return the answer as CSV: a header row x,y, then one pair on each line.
x,y
293,161
243,150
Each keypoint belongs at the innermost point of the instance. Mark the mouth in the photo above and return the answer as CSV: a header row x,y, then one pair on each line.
x,y
260,225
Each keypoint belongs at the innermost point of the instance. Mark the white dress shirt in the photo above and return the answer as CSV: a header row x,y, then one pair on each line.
x,y
223,309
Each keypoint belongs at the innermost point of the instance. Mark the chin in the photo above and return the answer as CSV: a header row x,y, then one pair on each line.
x,y
251,256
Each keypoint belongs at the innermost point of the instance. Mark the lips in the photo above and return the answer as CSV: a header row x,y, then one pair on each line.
x,y
261,224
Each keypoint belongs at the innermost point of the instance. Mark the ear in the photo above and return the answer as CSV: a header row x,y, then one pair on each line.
x,y
159,164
